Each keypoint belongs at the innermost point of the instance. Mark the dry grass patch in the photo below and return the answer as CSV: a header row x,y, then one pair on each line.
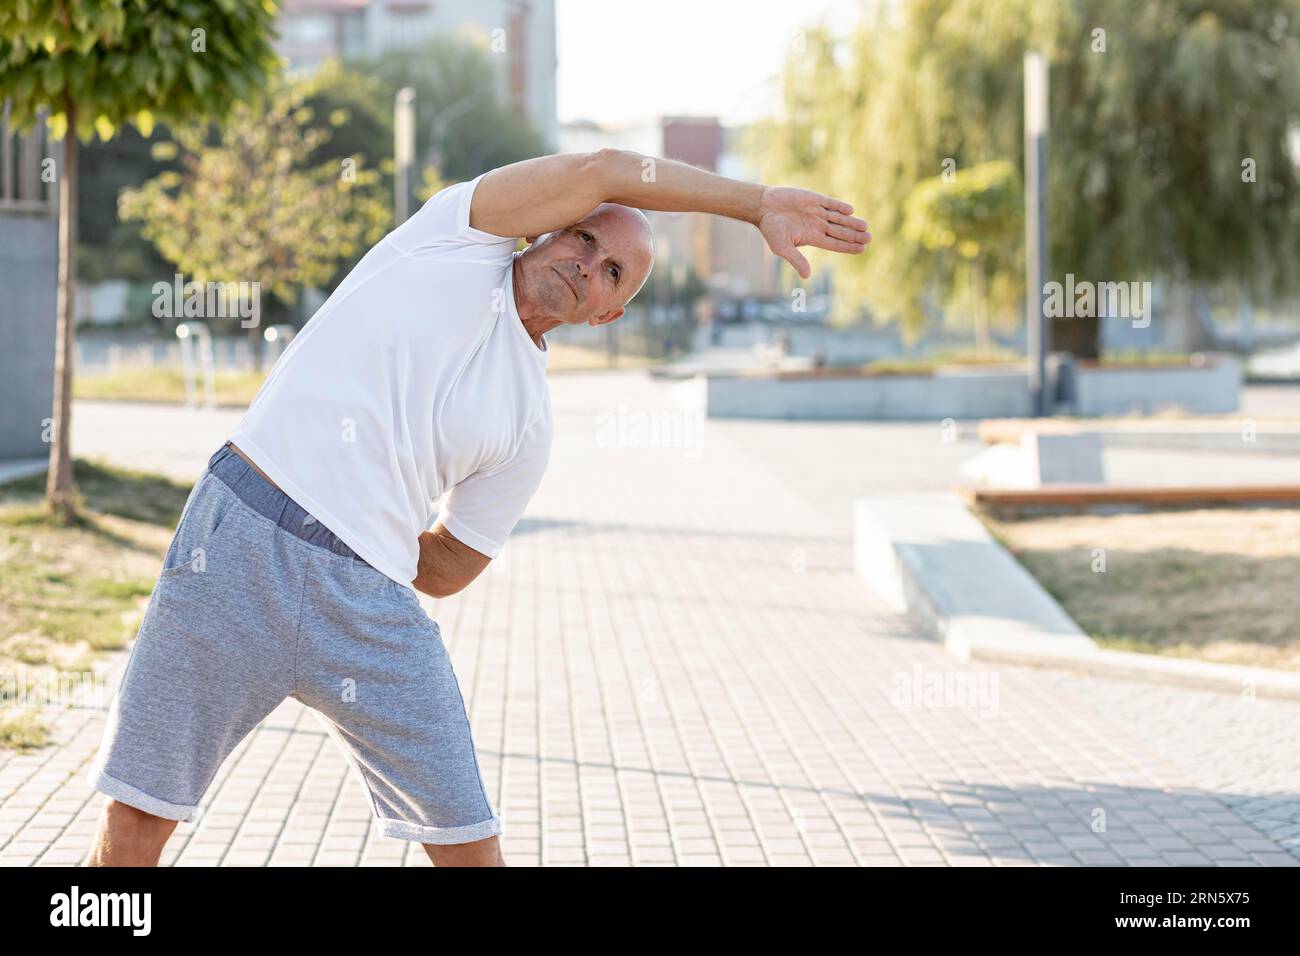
x,y
1219,585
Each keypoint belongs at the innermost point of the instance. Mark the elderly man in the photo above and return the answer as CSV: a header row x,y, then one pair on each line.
x,y
295,567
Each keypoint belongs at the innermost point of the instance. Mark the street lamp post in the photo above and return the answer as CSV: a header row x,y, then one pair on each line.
x,y
194,336
403,152
1038,330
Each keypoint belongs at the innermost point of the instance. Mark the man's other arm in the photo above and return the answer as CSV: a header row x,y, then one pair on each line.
x,y
446,564
539,195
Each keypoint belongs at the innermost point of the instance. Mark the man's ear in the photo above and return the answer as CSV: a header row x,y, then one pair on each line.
x,y
607,318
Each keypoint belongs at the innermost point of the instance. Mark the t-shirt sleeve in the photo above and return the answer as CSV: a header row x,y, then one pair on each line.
x,y
484,508
443,220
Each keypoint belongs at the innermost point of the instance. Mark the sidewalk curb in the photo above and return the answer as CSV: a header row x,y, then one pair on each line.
x,y
927,556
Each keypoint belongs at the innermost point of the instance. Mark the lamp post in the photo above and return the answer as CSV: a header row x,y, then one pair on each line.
x,y
1038,330
403,152
194,336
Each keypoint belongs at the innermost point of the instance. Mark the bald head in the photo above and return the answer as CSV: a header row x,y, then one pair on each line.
x,y
587,272
629,219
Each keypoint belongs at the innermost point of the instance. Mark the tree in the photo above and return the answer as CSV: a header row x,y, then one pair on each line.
x,y
246,209
357,112
463,127
95,65
970,224
108,248
1155,109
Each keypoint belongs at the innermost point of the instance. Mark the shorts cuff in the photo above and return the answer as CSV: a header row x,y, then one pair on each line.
x,y
440,835
129,795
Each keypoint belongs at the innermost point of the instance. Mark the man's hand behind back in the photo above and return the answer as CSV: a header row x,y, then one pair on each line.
x,y
446,565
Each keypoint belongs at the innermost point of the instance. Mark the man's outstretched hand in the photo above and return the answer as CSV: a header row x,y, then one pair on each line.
x,y
789,218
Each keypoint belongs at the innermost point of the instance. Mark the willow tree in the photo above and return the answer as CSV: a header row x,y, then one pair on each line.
x,y
1170,148
94,65
969,222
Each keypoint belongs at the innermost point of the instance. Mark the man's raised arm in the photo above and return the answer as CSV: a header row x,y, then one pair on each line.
x,y
537,196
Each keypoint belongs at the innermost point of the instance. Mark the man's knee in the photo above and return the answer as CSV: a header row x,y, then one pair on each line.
x,y
133,819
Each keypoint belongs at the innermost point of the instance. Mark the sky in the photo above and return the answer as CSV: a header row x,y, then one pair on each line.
x,y
630,60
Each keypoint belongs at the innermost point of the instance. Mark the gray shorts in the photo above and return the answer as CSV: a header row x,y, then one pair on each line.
x,y
257,601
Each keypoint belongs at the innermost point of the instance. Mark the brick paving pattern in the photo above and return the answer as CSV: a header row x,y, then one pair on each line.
x,y
672,663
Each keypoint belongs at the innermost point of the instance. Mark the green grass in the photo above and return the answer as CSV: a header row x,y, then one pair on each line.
x,y
71,590
1137,357
22,729
105,490
237,389
165,384
928,364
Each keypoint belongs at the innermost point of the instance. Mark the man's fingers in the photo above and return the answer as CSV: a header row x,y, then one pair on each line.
x,y
837,245
796,258
853,222
847,234
837,205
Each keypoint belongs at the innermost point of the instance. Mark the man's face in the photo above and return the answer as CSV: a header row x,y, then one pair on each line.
x,y
588,272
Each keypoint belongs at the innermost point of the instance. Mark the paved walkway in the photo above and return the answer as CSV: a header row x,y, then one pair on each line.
x,y
673,663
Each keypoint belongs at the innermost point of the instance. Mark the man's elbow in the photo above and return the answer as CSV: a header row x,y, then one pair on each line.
x,y
610,166
441,588
450,589
446,566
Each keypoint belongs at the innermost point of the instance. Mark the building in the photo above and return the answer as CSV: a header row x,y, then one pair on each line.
x,y
29,262
521,33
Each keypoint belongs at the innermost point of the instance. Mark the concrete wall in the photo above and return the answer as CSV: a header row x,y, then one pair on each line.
x,y
898,397
28,282
965,394
1214,389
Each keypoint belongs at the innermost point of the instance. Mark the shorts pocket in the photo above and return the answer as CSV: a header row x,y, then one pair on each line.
x,y
199,531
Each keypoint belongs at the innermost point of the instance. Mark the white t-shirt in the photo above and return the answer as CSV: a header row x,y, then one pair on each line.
x,y
415,378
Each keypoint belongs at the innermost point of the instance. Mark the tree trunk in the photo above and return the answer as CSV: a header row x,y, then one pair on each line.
x,y
1080,336
60,490
1184,331
979,310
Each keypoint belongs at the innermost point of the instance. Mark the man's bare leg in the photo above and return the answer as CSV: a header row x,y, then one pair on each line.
x,y
128,837
479,853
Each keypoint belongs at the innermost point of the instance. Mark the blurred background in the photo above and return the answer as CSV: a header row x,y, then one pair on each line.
x,y
1171,162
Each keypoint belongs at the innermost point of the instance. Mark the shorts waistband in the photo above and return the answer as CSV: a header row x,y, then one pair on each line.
x,y
270,502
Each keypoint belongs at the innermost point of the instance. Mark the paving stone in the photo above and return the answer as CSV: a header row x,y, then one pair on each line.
x,y
673,663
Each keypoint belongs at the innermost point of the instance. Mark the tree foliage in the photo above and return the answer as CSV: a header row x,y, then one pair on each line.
x,y
969,224
245,207
1152,122
463,126
95,65
131,60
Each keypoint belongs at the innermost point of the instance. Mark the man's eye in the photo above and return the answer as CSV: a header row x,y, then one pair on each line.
x,y
613,270
586,236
